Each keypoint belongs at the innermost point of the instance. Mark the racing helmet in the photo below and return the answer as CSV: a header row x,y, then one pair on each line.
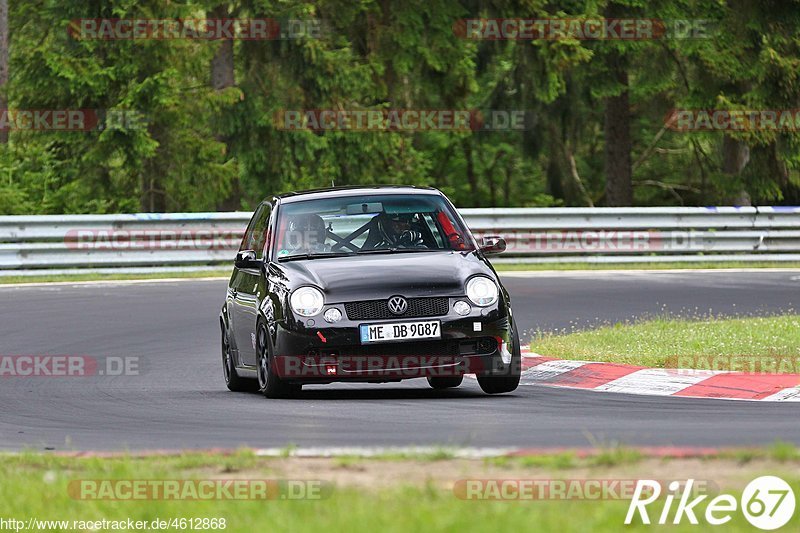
x,y
306,231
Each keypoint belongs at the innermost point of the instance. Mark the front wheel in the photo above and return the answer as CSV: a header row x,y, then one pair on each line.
x,y
506,377
269,383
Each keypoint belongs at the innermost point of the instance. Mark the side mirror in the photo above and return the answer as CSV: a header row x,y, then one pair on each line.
x,y
493,244
246,259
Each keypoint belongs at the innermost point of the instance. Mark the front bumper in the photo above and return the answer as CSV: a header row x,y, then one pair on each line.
x,y
306,351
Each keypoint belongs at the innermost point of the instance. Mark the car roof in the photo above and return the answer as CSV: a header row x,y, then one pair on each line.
x,y
331,192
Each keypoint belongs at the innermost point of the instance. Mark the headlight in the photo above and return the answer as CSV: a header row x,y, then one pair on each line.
x,y
482,291
307,301
332,315
462,308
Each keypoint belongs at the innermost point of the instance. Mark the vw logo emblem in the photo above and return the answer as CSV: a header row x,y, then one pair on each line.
x,y
398,305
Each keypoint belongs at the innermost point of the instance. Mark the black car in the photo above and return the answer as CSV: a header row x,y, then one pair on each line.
x,y
369,284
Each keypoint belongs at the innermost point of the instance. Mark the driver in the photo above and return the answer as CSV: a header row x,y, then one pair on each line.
x,y
397,229
306,234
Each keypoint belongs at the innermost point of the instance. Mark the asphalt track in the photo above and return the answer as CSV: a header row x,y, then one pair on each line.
x,y
179,399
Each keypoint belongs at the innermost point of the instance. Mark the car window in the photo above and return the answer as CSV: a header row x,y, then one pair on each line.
x,y
257,233
341,227
368,223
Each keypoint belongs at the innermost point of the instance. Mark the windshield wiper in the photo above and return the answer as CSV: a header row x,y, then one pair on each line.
x,y
314,255
394,250
321,255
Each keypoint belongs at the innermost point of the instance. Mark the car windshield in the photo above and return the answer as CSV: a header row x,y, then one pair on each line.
x,y
381,223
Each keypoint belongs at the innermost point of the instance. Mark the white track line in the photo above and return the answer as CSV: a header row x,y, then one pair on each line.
x,y
373,451
551,369
653,381
785,395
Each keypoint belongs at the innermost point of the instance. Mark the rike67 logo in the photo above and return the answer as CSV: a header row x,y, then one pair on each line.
x,y
767,502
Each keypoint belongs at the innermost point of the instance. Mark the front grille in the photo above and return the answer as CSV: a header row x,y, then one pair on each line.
x,y
415,348
475,346
379,309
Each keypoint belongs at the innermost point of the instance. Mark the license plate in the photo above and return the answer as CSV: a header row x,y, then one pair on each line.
x,y
400,331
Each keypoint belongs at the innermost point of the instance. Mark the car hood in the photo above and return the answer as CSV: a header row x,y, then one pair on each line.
x,y
373,277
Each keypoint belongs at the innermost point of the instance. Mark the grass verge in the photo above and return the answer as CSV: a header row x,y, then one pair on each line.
x,y
373,494
661,342
49,278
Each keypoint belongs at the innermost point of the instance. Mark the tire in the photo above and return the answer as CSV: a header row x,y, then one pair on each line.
x,y
232,379
270,385
449,382
507,379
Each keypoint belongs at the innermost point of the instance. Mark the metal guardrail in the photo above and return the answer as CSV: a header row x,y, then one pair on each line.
x,y
534,235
